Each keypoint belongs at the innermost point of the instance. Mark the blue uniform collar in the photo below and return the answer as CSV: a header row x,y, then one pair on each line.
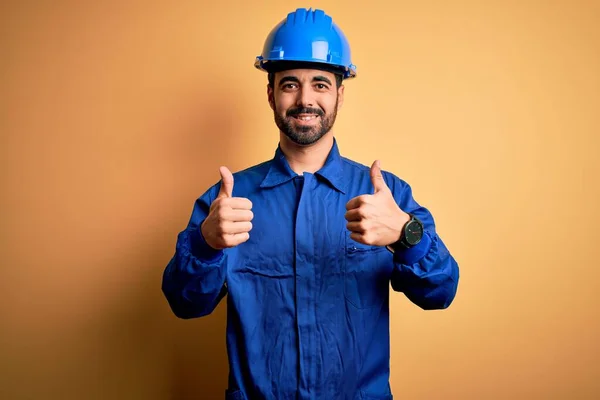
x,y
280,172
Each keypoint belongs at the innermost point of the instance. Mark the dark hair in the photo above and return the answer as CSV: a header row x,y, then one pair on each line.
x,y
271,77
278,66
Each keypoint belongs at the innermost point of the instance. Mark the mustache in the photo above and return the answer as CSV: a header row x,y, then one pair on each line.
x,y
304,110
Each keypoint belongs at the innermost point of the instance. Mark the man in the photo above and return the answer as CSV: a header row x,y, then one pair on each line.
x,y
306,245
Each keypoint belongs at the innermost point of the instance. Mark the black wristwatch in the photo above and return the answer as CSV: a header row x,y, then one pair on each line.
x,y
412,233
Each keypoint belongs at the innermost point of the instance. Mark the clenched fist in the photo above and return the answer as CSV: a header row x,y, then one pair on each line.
x,y
228,221
375,219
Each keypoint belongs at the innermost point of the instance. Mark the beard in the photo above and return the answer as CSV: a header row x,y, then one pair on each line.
x,y
305,135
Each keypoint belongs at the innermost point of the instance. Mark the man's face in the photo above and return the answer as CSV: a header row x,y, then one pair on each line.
x,y
305,103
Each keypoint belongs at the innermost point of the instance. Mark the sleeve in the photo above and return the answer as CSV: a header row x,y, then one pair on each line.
x,y
426,273
194,280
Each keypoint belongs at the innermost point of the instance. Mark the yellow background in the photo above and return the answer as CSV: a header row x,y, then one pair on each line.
x,y
115,116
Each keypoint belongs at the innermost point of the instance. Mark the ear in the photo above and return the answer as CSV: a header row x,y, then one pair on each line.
x,y
271,97
340,97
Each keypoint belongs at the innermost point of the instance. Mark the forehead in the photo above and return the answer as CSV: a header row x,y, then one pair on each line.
x,y
304,74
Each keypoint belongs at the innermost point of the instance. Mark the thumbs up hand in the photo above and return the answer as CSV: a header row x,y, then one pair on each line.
x,y
228,221
375,219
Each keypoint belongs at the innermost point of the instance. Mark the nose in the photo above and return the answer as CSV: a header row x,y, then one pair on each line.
x,y
305,98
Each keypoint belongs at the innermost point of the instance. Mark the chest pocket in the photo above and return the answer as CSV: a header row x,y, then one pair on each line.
x,y
367,271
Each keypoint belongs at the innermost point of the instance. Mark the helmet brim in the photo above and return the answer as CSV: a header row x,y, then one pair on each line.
x,y
286,65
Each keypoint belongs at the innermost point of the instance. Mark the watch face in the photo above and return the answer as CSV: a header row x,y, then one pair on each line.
x,y
414,232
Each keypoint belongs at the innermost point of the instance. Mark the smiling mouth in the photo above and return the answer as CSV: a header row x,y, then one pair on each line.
x,y
306,117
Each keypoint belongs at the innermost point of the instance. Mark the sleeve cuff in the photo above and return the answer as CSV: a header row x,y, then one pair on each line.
x,y
414,254
200,249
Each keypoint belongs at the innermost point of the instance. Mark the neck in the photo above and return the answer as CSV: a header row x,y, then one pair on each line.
x,y
309,158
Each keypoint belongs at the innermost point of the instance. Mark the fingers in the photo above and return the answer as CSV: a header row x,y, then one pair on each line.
x,y
363,211
357,201
231,203
229,221
233,228
357,226
355,214
222,233
232,240
238,203
228,217
358,237
239,215
226,189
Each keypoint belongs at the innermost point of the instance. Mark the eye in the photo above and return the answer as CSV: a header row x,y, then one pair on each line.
x,y
289,86
321,86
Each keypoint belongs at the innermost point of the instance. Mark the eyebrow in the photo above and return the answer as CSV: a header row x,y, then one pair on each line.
x,y
321,78
290,78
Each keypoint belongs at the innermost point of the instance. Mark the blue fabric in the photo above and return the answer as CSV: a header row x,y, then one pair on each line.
x,y
307,306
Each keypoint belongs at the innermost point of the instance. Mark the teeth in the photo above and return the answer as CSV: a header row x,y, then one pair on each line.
x,y
306,118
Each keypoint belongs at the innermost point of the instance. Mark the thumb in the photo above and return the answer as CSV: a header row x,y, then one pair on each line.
x,y
377,178
226,183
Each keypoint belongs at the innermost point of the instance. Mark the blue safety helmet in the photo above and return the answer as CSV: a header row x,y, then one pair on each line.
x,y
308,38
